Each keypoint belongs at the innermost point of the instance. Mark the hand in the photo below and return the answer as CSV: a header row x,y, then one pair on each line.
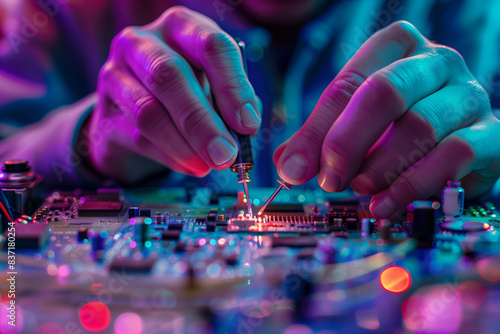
x,y
154,106
402,117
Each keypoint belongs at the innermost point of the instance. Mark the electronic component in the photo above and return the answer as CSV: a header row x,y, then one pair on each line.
x,y
366,227
424,226
133,212
98,244
83,234
452,201
20,187
203,261
91,208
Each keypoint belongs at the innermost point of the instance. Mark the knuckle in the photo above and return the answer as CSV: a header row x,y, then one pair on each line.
x,y
193,120
386,85
460,149
235,83
450,56
176,14
477,101
144,110
313,140
165,70
216,43
106,72
422,123
336,147
123,36
342,88
406,34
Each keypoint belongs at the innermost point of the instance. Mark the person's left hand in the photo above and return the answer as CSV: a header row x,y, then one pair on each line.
x,y
402,117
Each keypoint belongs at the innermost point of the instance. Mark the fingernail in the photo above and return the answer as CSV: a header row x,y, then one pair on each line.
x,y
249,116
294,168
328,180
220,151
383,208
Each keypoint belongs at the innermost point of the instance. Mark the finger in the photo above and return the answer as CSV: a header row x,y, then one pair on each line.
x,y
128,140
452,159
412,136
171,80
127,93
397,41
206,46
279,151
380,100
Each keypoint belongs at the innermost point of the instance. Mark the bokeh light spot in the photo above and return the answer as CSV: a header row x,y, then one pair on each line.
x,y
128,323
395,279
489,269
471,293
95,316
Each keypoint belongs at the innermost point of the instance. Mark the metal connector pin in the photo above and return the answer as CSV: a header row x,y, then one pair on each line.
x,y
283,184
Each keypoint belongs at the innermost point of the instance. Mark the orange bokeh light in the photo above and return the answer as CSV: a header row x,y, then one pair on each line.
x,y
395,279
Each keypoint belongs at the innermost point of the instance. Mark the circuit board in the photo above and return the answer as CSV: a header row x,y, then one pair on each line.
x,y
188,261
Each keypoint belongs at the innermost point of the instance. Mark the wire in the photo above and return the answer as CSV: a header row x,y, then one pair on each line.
x,y
5,212
5,203
5,207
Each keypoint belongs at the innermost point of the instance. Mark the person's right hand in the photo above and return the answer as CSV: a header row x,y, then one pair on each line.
x,y
154,106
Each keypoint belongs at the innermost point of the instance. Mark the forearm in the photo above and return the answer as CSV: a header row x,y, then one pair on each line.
x,y
51,147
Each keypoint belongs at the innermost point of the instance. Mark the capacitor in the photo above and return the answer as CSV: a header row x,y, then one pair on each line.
x,y
83,233
365,228
159,219
97,242
424,226
385,226
141,230
452,201
133,212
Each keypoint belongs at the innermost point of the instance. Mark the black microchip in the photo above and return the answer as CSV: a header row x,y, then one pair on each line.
x,y
299,208
211,226
126,264
175,226
171,235
100,209
302,241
